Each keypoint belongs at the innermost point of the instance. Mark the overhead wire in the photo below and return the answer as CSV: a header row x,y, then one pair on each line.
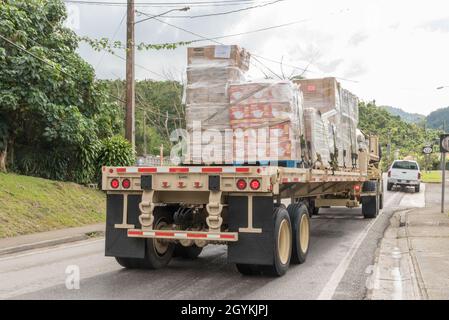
x,y
168,4
209,39
51,64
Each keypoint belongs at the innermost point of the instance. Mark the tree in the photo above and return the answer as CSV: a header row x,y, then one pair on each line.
x,y
161,101
55,111
408,138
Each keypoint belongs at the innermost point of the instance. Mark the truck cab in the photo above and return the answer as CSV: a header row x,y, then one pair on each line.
x,y
404,173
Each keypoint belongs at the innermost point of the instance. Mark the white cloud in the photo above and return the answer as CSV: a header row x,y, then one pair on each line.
x,y
397,50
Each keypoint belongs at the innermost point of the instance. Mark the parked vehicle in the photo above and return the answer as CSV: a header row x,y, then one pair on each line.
x,y
404,173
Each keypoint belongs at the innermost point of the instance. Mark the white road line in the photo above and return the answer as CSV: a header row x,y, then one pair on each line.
x,y
330,287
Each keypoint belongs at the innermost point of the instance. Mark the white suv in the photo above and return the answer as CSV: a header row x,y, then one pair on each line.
x,y
404,173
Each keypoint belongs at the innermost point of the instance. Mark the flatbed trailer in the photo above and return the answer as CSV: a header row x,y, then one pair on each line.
x,y
155,213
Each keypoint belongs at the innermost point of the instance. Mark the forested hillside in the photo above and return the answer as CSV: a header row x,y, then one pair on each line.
x,y
406,137
438,119
405,116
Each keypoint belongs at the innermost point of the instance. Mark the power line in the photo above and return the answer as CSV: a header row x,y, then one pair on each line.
x,y
214,39
166,4
209,39
227,12
51,64
113,37
300,68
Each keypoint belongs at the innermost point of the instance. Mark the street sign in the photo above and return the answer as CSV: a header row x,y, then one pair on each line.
x,y
444,143
427,150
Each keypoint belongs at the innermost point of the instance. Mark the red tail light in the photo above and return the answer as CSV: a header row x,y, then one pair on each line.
x,y
389,174
254,184
126,183
241,184
419,175
114,184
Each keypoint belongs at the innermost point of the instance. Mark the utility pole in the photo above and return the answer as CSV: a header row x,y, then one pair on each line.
x,y
145,133
130,76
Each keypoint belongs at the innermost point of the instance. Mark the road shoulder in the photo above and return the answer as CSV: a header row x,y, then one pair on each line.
x,y
49,238
413,257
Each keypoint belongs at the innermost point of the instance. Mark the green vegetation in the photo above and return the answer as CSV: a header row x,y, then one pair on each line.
x,y
406,116
431,176
439,119
407,138
53,113
161,101
29,205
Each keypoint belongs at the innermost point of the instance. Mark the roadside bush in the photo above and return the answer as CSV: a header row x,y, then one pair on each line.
x,y
115,151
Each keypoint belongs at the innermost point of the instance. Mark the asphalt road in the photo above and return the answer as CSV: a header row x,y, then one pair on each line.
x,y
342,251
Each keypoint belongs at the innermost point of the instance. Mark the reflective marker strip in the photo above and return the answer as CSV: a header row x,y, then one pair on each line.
x,y
183,235
183,170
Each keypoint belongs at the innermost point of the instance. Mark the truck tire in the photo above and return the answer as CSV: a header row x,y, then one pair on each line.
x,y
417,188
370,208
299,217
131,263
189,253
389,186
282,243
159,251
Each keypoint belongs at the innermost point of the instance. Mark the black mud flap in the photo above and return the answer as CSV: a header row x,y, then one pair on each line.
x,y
117,242
251,248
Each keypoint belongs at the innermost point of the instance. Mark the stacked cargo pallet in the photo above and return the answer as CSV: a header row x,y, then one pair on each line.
x,y
210,70
331,119
267,121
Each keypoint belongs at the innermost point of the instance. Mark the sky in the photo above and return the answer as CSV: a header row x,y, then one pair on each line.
x,y
394,52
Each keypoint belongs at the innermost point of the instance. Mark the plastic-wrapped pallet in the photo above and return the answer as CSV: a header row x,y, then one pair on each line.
x,y
321,94
339,108
349,123
210,69
318,139
272,110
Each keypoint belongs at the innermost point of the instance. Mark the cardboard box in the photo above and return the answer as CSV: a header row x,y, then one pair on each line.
x,y
219,55
211,74
320,94
206,95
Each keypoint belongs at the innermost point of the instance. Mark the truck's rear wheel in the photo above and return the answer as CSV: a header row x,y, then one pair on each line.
x,y
131,263
159,251
370,206
190,253
300,221
282,244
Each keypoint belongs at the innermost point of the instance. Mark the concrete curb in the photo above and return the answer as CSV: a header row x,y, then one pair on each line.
x,y
394,274
50,243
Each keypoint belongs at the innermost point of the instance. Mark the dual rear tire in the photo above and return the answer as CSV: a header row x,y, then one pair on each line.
x,y
291,241
158,252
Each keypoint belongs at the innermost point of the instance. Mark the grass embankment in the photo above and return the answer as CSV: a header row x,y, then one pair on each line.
x,y
29,204
431,176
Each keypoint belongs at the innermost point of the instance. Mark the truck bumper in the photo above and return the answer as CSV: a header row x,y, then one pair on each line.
x,y
405,183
